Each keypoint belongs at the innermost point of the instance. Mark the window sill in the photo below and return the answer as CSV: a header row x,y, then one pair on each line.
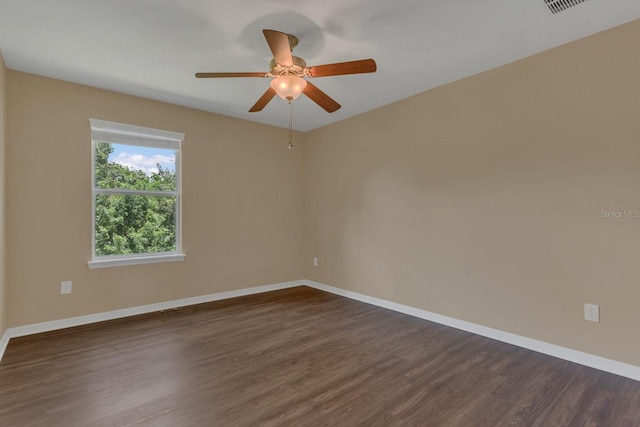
x,y
134,260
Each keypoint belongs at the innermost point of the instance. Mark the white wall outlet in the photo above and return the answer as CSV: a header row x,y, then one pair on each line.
x,y
65,287
592,312
315,261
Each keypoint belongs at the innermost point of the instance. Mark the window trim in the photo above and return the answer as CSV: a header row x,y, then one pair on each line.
x,y
135,259
121,133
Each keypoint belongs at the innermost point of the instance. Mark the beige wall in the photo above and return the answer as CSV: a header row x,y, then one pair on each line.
x,y
242,203
3,281
481,200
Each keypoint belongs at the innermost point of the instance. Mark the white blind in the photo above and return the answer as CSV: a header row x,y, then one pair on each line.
x,y
120,133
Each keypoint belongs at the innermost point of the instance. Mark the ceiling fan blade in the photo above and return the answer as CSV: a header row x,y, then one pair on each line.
x,y
216,75
342,68
279,45
263,101
321,98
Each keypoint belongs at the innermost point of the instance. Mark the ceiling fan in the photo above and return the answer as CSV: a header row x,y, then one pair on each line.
x,y
288,73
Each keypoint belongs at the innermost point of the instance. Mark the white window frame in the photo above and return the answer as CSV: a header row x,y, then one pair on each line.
x,y
120,133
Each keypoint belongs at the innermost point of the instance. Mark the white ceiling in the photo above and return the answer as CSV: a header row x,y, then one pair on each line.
x,y
152,48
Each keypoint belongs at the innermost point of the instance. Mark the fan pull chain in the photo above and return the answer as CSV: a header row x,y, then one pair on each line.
x,y
291,125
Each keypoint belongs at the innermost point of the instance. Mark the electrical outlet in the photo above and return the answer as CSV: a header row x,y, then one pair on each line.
x,y
592,312
315,261
65,287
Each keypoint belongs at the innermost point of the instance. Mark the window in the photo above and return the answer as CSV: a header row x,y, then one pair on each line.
x,y
135,194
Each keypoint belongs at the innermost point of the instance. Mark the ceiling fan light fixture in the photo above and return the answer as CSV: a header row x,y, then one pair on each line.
x,y
289,71
288,87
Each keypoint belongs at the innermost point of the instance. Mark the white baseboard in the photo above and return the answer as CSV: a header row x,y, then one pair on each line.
x,y
4,342
586,359
20,331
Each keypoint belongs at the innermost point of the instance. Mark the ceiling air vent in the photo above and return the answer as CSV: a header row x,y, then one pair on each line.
x,y
556,6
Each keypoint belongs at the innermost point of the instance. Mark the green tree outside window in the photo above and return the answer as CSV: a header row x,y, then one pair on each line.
x,y
126,223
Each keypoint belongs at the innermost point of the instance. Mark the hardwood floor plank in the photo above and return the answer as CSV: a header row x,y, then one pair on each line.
x,y
298,357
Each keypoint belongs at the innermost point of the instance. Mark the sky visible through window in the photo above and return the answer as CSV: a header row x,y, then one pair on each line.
x,y
145,159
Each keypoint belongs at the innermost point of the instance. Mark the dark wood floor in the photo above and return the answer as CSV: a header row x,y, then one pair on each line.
x,y
297,357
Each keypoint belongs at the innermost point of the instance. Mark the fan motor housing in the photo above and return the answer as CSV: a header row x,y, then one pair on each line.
x,y
297,68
